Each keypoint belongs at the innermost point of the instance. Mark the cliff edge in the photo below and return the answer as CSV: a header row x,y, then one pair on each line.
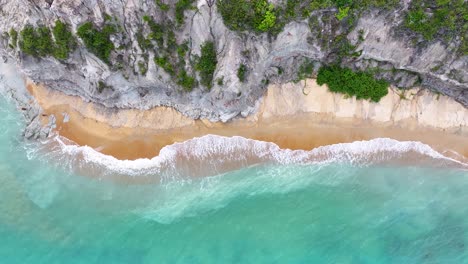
x,y
214,59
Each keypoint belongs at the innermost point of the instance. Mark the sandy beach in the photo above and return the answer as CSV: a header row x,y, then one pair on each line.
x,y
294,116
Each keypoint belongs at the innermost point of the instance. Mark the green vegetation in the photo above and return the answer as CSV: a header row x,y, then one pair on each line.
x,y
187,82
241,72
64,40
261,16
361,35
343,48
143,43
464,45
252,15
157,31
180,8
98,41
107,17
207,64
142,67
164,63
13,37
294,7
305,70
267,14
28,38
353,4
443,19
169,55
220,81
102,85
342,13
182,50
360,84
36,41
164,7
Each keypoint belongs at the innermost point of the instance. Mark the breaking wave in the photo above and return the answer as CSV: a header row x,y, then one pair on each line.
x,y
212,155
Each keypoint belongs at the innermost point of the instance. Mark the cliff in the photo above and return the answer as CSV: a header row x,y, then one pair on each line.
x,y
149,53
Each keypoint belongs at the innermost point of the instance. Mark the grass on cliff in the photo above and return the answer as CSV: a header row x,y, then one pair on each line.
x,y
38,42
242,72
262,16
250,15
97,40
13,37
186,81
169,55
180,8
65,41
441,19
206,64
163,6
360,84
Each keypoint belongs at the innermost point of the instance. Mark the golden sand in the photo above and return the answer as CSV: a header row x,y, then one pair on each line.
x,y
294,116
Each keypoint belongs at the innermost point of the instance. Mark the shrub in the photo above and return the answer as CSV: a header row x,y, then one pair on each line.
x,y
182,50
241,72
444,19
13,37
342,13
142,67
165,64
220,81
464,46
44,42
64,39
417,21
265,12
360,84
102,85
164,7
143,43
237,14
253,15
186,81
27,43
97,41
180,8
157,31
305,70
171,44
207,63
36,42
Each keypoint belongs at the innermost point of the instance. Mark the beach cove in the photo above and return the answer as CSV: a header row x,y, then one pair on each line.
x,y
298,116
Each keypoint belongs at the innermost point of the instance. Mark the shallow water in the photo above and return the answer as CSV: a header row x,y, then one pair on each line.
x,y
380,201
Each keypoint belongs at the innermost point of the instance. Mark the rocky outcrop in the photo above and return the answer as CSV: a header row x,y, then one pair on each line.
x,y
11,86
378,42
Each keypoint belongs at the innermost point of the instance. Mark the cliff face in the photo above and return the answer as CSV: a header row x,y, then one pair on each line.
x,y
142,74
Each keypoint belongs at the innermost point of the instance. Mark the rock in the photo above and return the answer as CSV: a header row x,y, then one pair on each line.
x,y
66,117
404,64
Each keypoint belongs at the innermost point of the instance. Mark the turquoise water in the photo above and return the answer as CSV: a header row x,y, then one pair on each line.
x,y
323,212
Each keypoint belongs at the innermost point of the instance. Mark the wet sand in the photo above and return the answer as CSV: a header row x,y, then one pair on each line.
x,y
133,134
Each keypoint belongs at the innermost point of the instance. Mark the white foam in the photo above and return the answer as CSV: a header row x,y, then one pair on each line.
x,y
181,196
210,155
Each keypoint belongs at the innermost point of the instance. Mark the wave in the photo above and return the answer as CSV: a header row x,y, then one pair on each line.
x,y
212,155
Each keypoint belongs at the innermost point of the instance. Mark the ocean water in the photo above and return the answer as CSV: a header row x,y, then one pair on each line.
x,y
229,200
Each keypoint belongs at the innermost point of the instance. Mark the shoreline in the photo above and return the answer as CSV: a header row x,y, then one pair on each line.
x,y
293,116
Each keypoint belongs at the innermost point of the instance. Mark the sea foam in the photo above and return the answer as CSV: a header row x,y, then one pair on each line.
x,y
211,155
